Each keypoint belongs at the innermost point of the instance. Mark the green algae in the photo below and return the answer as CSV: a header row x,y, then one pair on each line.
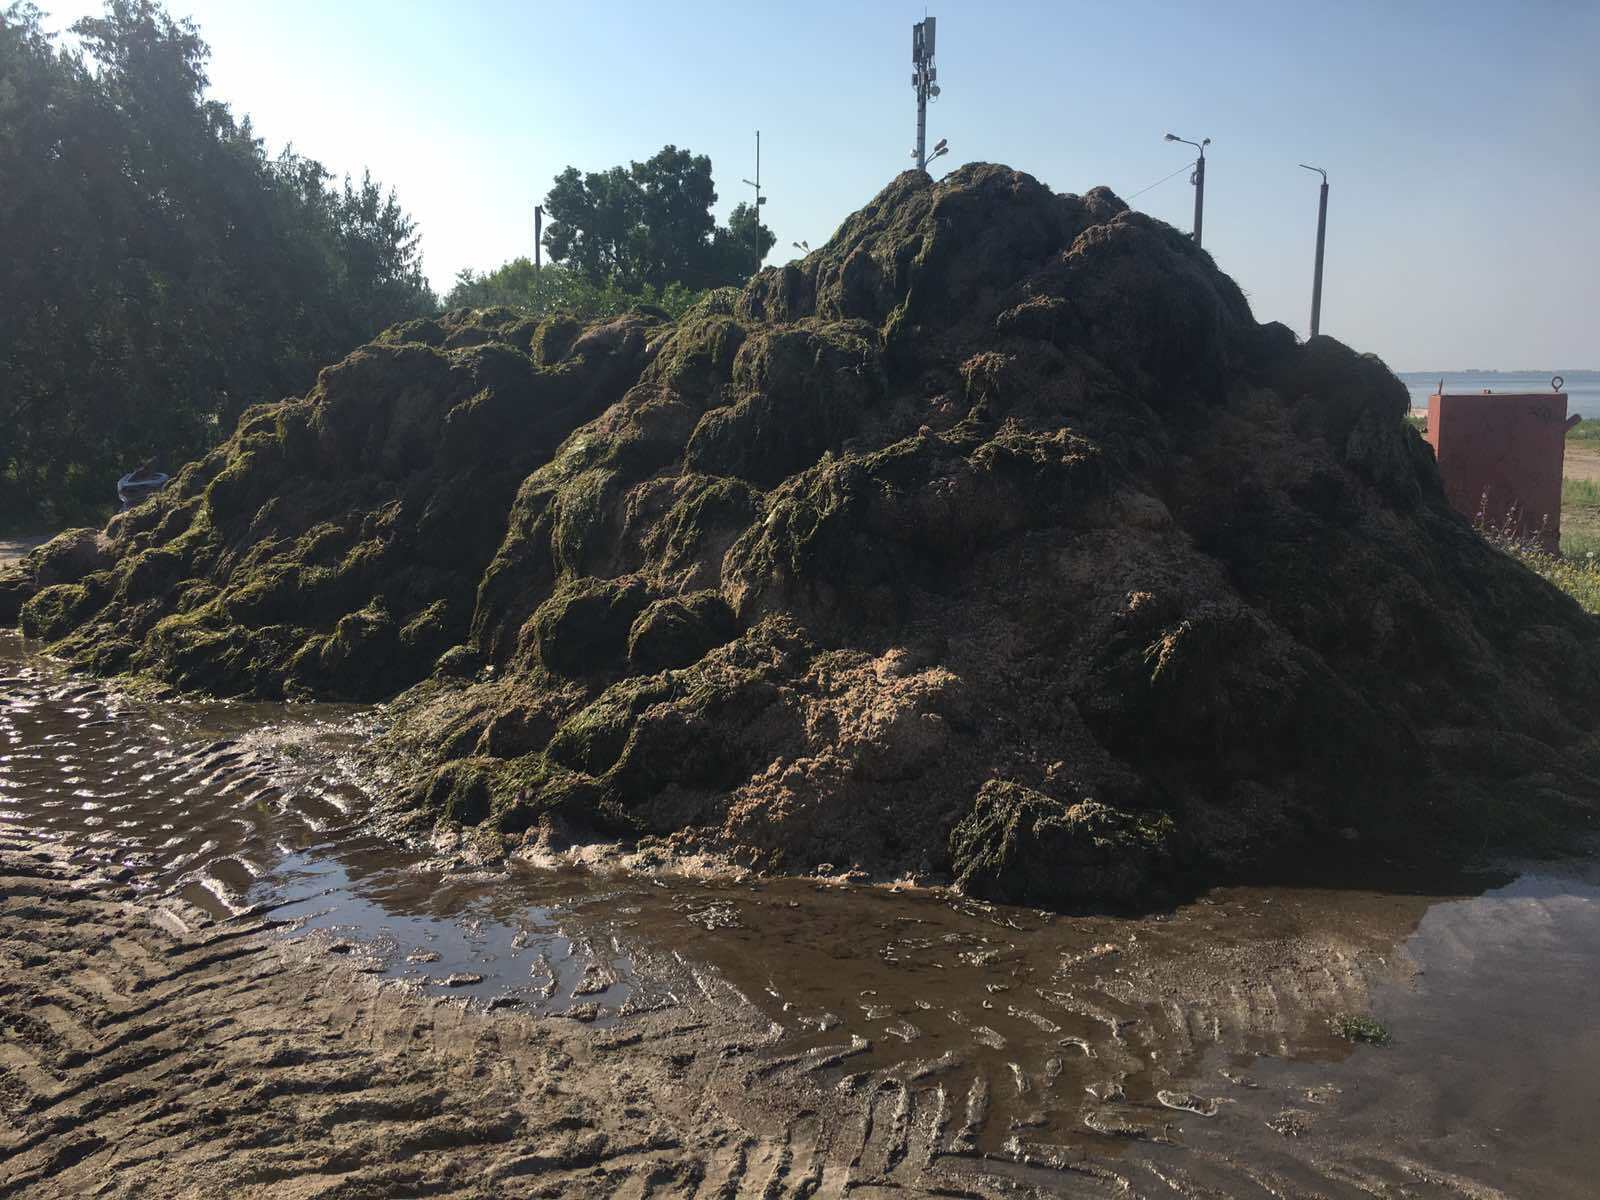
x,y
583,627
1023,847
54,611
677,631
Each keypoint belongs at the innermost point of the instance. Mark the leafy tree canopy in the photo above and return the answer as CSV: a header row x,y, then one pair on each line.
x,y
161,271
517,284
650,225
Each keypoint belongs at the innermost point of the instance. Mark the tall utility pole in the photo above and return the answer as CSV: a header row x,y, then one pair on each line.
x,y
760,199
538,232
1198,179
923,80
1322,235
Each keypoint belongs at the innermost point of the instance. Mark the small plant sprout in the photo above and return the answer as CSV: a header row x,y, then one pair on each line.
x,y
1355,1027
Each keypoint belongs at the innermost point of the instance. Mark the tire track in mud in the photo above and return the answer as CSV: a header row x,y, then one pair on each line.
x,y
150,1049
127,778
160,1038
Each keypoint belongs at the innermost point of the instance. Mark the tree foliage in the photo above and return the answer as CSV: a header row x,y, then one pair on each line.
x,y
649,225
555,288
743,243
161,270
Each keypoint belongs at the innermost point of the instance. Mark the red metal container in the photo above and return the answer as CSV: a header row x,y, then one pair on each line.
x,y
1500,455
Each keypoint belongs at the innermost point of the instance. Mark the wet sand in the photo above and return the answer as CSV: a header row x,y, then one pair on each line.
x,y
153,1051
215,977
13,549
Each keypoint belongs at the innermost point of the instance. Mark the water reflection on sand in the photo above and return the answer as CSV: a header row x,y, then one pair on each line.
x,y
1191,1050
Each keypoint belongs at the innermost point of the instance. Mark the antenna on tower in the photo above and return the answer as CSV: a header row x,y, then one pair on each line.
x,y
923,79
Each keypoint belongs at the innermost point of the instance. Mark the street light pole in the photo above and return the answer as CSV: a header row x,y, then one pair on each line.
x,y
1322,234
538,229
760,199
1198,179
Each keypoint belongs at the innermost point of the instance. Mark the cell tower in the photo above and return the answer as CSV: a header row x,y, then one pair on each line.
x,y
923,79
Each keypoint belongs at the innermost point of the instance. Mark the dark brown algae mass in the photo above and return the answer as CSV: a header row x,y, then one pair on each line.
x,y
993,542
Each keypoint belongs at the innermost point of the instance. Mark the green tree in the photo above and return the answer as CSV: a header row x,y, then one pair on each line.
x,y
744,242
517,284
592,222
675,224
161,272
649,225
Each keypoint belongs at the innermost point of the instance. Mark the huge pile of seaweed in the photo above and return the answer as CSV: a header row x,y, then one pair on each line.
x,y
994,538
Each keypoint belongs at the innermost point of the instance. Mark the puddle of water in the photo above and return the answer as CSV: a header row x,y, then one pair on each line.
x,y
1194,1042
455,937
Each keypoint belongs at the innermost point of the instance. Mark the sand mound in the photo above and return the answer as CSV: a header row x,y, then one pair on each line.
x,y
993,538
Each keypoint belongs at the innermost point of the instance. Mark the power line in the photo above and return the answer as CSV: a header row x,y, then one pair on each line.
x,y
1159,182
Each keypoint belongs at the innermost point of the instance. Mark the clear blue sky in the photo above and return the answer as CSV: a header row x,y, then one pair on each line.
x,y
1462,138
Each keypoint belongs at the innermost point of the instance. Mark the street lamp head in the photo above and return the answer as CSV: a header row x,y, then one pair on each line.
x,y
1318,170
1205,141
1171,137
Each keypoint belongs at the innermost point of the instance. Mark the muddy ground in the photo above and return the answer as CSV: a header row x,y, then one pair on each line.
x,y
215,980
154,1051
12,549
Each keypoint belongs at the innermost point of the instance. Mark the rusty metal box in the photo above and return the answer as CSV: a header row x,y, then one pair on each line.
x,y
1500,456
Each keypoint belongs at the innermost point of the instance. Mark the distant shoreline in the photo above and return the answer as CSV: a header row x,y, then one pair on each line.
x,y
1578,373
1582,388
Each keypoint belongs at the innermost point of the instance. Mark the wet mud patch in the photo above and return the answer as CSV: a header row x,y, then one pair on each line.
x,y
14,549
784,1037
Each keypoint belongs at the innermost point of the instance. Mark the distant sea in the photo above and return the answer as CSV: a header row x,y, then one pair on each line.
x,y
1582,387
